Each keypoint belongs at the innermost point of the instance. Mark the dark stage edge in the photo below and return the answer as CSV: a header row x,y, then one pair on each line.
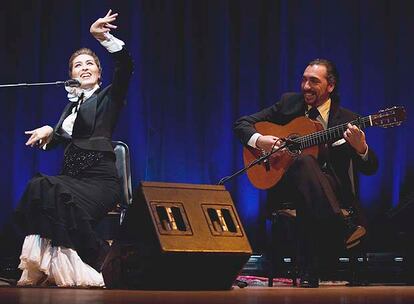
x,y
262,295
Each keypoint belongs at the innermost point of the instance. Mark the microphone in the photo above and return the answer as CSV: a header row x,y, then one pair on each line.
x,y
73,83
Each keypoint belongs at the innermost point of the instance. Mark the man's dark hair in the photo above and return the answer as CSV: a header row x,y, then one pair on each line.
x,y
332,75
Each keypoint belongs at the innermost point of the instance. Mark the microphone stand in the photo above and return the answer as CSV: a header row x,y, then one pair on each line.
x,y
288,143
33,84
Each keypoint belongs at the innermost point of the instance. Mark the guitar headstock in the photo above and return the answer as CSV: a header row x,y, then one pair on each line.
x,y
388,118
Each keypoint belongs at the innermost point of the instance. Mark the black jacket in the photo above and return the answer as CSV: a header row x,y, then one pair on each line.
x,y
98,115
292,105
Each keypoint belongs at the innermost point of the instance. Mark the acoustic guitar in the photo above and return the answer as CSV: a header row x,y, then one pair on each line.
x,y
305,136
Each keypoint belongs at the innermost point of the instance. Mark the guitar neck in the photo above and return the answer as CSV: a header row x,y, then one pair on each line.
x,y
332,134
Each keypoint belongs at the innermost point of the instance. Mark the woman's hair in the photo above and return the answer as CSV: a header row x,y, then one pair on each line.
x,y
87,52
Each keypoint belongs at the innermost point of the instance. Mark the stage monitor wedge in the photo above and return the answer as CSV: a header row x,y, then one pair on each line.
x,y
178,237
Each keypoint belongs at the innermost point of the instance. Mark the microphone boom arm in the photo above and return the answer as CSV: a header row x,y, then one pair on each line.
x,y
70,83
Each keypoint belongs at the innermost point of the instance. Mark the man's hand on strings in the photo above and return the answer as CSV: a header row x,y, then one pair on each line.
x,y
268,142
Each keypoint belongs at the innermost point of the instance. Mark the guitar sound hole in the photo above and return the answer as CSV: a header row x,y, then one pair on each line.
x,y
294,149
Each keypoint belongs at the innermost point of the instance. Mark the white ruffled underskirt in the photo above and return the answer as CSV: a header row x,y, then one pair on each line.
x,y
45,265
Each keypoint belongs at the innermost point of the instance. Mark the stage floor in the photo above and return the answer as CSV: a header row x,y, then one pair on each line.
x,y
262,295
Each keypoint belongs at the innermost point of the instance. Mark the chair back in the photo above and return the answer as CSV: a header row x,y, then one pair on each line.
x,y
124,171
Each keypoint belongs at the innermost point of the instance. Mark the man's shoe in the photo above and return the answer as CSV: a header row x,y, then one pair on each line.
x,y
354,235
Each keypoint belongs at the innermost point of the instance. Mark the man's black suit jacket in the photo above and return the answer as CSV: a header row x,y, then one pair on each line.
x,y
97,116
292,105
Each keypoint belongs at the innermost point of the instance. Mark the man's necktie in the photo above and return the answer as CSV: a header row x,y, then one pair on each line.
x,y
313,113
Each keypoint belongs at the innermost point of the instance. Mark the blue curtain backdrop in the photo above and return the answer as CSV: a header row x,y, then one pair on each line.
x,y
199,65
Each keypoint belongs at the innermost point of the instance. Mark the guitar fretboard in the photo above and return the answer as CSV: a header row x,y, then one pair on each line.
x,y
331,134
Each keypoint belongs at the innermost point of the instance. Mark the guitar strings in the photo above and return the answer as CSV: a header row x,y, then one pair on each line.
x,y
315,138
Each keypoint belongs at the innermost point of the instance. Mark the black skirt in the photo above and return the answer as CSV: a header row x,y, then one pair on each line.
x,y
65,208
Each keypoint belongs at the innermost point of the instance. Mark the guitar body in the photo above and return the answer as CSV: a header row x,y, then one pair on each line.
x,y
264,176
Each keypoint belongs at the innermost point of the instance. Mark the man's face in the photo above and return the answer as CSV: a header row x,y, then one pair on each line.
x,y
315,86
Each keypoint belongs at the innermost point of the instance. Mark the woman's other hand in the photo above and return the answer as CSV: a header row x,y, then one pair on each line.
x,y
39,137
103,25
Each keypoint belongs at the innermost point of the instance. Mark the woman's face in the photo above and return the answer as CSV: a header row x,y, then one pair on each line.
x,y
86,71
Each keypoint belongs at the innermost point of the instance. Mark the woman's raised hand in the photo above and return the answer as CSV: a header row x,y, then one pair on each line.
x,y
39,137
103,25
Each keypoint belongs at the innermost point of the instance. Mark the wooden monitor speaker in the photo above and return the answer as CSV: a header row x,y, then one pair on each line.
x,y
178,237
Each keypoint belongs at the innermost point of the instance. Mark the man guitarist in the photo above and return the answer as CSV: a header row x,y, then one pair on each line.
x,y
319,188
